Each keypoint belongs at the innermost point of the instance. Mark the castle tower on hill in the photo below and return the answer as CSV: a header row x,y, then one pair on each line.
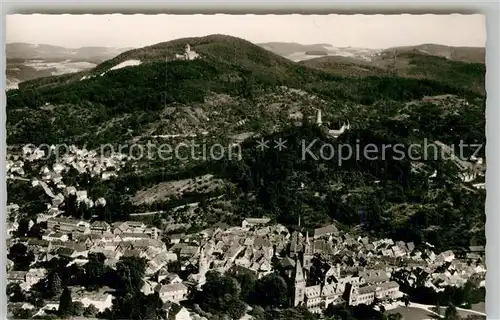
x,y
299,285
319,121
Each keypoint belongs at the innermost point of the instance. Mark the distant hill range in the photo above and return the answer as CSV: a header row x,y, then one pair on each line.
x,y
456,66
21,50
26,61
298,52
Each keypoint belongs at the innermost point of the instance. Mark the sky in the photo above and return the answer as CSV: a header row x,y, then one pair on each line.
x,y
366,31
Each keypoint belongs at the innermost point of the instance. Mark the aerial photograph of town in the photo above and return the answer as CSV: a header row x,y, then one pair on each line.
x,y
225,167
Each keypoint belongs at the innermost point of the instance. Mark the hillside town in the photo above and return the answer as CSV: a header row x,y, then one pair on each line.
x,y
326,267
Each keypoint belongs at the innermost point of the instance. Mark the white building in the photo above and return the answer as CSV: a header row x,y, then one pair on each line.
x,y
174,292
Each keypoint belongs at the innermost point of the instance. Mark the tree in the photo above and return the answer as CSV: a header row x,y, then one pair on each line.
x,y
131,272
90,311
451,313
339,312
14,293
406,300
135,306
78,308
54,285
35,231
21,257
258,313
395,316
77,275
22,314
247,282
270,290
236,308
174,266
221,294
36,299
65,303
94,270
438,308
23,228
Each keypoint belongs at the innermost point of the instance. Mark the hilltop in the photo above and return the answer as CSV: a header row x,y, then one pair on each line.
x,y
221,50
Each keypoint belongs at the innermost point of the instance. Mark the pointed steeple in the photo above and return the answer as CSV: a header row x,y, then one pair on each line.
x,y
202,262
307,237
299,274
300,284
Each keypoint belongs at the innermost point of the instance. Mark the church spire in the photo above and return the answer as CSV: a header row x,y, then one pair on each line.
x,y
202,262
300,284
299,273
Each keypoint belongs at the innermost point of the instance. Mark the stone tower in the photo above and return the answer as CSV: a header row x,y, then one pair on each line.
x,y
319,121
308,253
202,262
299,285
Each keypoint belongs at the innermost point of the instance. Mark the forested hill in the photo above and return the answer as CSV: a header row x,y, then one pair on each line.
x,y
238,89
408,64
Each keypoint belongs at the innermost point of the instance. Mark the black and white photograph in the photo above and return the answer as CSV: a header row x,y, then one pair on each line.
x,y
245,166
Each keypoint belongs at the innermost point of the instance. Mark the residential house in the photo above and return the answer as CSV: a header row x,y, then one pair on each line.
x,y
174,292
16,276
476,249
174,311
252,222
9,264
410,246
58,167
34,276
189,251
148,287
81,195
128,227
448,256
133,236
55,236
38,245
152,232
65,225
100,227
57,200
168,277
374,276
384,291
175,238
327,231
159,261
69,191
101,300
